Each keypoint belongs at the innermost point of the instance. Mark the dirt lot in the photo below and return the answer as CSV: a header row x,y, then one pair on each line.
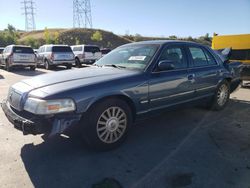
x,y
190,147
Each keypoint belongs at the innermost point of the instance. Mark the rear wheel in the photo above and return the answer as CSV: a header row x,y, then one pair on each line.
x,y
47,65
221,96
106,124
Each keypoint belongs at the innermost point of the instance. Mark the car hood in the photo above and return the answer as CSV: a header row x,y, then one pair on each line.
x,y
65,80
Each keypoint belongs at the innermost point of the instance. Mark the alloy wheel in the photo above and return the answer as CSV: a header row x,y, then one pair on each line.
x,y
111,125
222,94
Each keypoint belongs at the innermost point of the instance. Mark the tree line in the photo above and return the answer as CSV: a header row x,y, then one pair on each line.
x,y
11,35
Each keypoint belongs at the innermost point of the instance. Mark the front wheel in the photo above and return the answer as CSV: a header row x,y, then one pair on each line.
x,y
221,96
69,66
7,66
78,63
33,68
106,124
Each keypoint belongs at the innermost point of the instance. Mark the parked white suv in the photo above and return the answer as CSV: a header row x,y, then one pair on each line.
x,y
18,56
86,54
50,56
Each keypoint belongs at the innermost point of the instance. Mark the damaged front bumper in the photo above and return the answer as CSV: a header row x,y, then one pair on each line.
x,y
33,124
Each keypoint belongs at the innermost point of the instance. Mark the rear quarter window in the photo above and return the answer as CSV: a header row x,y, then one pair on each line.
x,y
78,48
198,56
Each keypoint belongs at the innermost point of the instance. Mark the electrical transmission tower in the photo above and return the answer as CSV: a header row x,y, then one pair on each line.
x,y
28,6
82,14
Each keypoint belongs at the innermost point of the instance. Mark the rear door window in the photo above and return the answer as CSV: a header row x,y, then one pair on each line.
x,y
198,56
92,49
61,49
210,59
23,50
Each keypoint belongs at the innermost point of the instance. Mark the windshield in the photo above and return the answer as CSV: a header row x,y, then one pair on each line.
x,y
132,56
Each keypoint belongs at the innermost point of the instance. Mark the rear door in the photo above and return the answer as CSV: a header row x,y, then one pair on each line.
x,y
204,71
170,87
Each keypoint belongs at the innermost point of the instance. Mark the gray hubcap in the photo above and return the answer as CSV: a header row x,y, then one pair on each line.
x,y
111,125
222,95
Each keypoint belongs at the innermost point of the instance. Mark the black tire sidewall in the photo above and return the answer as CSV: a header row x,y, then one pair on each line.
x,y
89,122
47,65
7,66
78,63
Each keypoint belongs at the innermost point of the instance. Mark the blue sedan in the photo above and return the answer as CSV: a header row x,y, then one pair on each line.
x,y
128,83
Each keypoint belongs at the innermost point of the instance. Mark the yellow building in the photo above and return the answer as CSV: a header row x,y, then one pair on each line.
x,y
240,45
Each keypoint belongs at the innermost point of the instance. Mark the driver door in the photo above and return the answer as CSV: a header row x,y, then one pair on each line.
x,y
170,87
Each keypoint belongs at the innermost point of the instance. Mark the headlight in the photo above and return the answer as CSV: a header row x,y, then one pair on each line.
x,y
44,107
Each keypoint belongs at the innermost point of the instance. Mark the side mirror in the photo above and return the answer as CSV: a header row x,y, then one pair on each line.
x,y
166,65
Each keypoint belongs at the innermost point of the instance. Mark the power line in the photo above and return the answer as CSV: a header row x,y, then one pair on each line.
x,y
82,14
28,6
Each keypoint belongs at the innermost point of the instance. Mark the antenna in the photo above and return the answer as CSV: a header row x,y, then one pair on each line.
x,y
28,6
82,14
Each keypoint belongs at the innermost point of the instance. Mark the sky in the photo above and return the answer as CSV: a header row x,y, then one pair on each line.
x,y
161,18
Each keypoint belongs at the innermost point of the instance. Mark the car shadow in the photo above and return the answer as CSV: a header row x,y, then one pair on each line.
x,y
27,72
67,162
57,68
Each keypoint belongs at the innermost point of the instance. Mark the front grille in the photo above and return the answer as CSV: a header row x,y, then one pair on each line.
x,y
14,99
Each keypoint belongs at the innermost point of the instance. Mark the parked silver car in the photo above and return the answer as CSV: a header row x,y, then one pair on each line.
x,y
18,56
50,56
86,54
1,51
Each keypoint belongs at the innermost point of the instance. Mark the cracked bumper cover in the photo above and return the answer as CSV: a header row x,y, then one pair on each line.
x,y
32,124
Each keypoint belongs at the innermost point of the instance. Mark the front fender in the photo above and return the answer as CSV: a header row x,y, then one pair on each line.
x,y
84,105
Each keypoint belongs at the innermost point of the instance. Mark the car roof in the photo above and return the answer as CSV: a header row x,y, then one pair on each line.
x,y
14,45
84,45
56,45
162,42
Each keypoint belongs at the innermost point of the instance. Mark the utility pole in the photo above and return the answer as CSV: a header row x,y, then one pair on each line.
x,y
82,14
28,6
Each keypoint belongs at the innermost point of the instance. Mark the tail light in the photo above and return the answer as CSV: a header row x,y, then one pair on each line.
x,y
52,56
10,58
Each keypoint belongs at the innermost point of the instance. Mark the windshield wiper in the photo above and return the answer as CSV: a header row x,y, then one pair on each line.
x,y
115,66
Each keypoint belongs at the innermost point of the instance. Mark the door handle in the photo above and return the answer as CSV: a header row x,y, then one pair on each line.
x,y
191,76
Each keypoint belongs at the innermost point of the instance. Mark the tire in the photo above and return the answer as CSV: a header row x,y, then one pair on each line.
x,y
221,96
47,65
69,66
106,134
33,68
7,66
78,63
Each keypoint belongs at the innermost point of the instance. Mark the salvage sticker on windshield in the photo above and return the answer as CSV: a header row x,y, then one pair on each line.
x,y
137,58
